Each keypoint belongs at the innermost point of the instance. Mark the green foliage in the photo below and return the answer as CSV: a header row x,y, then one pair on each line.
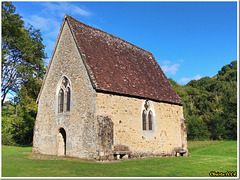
x,y
8,122
206,156
210,105
7,131
27,111
22,73
18,119
22,51
197,128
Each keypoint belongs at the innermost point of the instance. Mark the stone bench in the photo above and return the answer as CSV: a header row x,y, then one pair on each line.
x,y
181,153
121,154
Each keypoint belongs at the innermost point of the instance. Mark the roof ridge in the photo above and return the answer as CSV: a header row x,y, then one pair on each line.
x,y
134,71
66,15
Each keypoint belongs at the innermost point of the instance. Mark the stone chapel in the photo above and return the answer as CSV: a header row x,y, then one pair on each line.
x,y
103,98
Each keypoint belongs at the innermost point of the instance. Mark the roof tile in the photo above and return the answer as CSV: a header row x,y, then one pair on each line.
x,y
118,66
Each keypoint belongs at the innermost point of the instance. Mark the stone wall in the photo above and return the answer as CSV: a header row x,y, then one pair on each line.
x,y
105,137
99,124
126,113
80,122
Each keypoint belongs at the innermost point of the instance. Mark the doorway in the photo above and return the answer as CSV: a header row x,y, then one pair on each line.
x,y
61,142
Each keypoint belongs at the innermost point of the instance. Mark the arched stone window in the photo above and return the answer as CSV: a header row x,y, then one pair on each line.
x,y
64,95
147,116
150,120
144,119
68,102
60,100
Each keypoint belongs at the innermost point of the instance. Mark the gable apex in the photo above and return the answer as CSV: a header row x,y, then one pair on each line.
x,y
64,23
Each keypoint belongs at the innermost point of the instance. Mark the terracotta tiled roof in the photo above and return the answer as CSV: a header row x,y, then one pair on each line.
x,y
118,66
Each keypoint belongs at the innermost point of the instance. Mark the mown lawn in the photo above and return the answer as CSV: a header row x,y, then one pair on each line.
x,y
206,156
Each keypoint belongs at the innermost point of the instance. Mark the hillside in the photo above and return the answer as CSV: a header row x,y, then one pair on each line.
x,y
210,105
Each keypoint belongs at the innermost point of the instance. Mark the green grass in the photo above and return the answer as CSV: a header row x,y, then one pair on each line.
x,y
206,156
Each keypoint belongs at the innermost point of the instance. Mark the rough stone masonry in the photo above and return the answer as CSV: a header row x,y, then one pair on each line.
x,y
104,98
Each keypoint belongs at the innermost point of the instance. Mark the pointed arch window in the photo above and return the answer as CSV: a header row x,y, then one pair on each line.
x,y
64,96
147,117
60,101
150,120
68,93
144,119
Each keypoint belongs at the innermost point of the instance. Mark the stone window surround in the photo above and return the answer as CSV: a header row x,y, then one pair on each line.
x,y
59,87
147,110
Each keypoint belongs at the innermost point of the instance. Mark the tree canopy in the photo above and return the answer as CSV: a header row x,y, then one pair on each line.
x,y
22,73
210,105
22,52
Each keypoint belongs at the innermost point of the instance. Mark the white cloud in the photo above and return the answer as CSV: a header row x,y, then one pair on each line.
x,y
48,26
45,24
78,10
197,77
171,69
49,20
166,62
185,80
62,8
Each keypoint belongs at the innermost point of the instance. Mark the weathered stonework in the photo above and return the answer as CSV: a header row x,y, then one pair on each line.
x,y
105,137
80,122
125,112
100,125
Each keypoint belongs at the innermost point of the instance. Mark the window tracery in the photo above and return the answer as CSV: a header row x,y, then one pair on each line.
x,y
64,96
147,116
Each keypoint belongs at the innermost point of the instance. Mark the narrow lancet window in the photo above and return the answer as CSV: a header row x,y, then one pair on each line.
x,y
150,120
68,98
60,101
144,120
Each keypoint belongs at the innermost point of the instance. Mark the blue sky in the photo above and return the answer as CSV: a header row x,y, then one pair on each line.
x,y
189,40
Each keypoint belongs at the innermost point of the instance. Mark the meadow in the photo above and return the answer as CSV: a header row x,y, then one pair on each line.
x,y
206,156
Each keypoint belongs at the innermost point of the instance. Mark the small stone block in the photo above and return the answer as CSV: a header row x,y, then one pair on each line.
x,y
125,156
110,157
118,156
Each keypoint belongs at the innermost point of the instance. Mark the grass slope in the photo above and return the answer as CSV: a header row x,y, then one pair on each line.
x,y
206,156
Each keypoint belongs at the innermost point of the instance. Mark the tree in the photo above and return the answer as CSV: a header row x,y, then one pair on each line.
x,y
22,73
27,111
18,117
210,104
9,117
196,128
22,52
